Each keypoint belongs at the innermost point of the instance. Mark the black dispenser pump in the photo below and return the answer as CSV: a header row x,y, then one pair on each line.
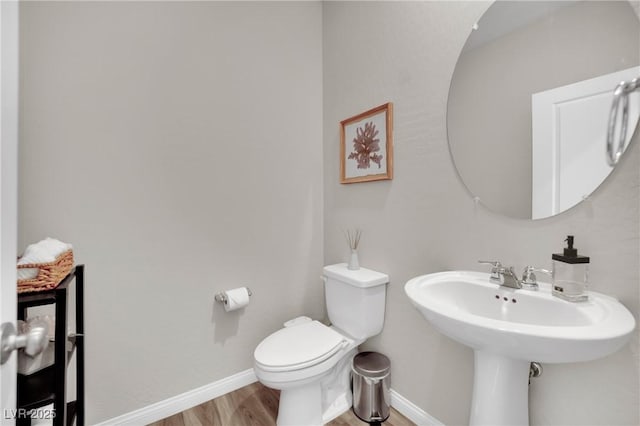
x,y
570,254
569,251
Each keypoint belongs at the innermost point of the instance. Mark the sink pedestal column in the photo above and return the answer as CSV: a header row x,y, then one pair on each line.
x,y
500,391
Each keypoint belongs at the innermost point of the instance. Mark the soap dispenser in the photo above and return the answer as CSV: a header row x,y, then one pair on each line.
x,y
570,274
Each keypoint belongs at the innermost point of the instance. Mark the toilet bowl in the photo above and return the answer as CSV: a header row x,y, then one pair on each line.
x,y
309,362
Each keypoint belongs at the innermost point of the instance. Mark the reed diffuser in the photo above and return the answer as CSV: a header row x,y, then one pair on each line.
x,y
353,239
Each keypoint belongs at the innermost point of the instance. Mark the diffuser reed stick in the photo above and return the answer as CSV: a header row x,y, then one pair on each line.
x,y
353,238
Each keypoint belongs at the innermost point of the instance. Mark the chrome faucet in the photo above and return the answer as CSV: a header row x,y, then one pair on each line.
x,y
503,276
509,278
506,277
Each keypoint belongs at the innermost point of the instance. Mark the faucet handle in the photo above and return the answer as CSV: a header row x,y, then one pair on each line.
x,y
496,268
529,280
493,263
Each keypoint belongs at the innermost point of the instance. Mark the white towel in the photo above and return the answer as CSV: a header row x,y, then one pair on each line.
x,y
43,251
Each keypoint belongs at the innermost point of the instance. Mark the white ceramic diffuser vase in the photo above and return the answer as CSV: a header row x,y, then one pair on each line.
x,y
353,264
353,239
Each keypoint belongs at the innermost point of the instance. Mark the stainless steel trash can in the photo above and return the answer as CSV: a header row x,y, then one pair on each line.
x,y
371,372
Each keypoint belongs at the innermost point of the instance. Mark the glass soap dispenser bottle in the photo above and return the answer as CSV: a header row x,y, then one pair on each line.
x,y
570,274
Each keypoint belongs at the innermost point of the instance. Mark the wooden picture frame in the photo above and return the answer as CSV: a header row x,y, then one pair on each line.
x,y
366,146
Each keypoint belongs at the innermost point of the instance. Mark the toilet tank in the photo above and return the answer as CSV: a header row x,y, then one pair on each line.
x,y
355,299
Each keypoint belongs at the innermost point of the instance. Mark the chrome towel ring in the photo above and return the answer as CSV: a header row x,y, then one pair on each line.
x,y
620,100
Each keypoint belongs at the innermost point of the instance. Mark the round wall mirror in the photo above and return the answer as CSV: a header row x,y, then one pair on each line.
x,y
530,98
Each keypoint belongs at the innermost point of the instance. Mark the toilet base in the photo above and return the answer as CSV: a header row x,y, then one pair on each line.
x,y
319,401
340,406
300,406
336,388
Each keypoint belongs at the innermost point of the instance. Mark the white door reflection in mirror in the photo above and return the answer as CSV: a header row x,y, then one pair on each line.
x,y
568,128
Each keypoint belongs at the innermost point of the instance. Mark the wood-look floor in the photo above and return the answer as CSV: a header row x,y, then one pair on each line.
x,y
254,405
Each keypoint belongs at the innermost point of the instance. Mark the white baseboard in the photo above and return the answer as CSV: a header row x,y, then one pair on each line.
x,y
169,407
412,411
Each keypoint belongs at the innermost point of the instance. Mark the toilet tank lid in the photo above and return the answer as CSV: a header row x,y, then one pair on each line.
x,y
362,277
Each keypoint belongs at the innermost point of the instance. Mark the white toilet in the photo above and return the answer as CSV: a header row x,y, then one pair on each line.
x,y
310,362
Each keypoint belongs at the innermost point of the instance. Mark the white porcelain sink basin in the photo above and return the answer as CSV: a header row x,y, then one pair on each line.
x,y
509,328
521,324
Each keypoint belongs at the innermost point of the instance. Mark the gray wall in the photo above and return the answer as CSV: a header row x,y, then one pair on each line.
x,y
178,147
490,103
424,220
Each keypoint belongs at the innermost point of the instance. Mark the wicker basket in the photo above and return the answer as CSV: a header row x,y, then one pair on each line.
x,y
49,274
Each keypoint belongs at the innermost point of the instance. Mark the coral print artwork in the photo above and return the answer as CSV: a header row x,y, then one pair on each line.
x,y
366,146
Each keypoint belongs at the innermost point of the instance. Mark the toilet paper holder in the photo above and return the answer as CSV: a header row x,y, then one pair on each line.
x,y
222,297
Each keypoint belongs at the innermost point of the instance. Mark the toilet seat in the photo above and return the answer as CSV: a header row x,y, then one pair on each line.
x,y
298,347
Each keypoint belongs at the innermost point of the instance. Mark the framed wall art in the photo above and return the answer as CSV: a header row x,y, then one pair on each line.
x,y
366,146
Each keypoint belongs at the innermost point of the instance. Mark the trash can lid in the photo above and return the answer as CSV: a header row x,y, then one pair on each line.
x,y
371,364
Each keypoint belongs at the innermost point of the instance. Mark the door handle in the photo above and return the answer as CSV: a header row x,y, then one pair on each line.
x,y
33,342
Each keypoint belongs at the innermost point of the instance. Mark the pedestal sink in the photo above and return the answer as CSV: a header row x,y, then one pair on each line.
x,y
508,329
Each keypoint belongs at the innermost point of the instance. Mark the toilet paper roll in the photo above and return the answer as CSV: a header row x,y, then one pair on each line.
x,y
237,298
